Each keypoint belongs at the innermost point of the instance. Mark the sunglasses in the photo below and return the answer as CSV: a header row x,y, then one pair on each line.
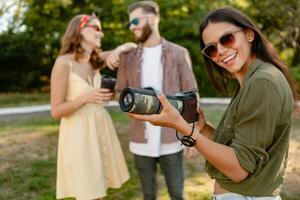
x,y
135,21
93,26
227,40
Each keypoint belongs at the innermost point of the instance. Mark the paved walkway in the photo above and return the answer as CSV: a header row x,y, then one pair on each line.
x,y
46,107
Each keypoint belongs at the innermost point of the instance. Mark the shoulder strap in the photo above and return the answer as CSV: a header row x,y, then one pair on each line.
x,y
68,63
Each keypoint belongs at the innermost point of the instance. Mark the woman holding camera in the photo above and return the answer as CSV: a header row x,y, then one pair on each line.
x,y
247,153
90,158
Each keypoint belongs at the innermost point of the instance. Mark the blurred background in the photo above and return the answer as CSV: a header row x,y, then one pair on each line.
x,y
30,32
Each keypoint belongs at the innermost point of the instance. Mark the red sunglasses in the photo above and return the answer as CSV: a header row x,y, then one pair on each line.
x,y
93,26
85,22
227,40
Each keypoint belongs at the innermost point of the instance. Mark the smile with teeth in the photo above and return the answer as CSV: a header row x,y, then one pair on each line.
x,y
229,58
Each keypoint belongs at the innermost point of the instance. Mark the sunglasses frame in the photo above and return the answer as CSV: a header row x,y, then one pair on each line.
x,y
93,26
135,21
215,44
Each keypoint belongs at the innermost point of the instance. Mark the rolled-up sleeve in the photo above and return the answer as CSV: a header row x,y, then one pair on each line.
x,y
255,124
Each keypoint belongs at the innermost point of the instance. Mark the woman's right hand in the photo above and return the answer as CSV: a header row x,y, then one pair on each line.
x,y
98,96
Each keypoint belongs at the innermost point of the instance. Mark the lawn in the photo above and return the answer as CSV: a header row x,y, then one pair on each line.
x,y
28,150
23,99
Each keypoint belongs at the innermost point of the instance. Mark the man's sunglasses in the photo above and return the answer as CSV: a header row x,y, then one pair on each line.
x,y
227,40
135,21
93,26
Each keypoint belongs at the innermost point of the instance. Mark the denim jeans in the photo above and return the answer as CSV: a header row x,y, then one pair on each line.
x,y
235,196
172,168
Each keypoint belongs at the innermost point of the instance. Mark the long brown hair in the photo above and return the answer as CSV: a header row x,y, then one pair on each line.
x,y
71,43
261,48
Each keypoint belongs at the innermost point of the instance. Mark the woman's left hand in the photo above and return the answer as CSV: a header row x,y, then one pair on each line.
x,y
169,116
113,59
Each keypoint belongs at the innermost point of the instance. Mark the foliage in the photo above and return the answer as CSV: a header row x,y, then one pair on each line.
x,y
279,20
31,44
20,63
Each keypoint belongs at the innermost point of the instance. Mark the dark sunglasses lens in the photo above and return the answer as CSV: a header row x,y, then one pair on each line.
x,y
227,40
96,28
135,22
211,51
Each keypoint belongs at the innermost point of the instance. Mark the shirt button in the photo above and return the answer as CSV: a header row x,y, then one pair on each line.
x,y
262,157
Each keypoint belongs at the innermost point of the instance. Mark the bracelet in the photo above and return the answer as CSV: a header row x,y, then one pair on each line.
x,y
187,140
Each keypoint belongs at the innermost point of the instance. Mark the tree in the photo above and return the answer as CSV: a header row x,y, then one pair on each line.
x,y
33,39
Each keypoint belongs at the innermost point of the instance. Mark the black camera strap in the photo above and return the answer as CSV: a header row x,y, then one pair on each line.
x,y
187,140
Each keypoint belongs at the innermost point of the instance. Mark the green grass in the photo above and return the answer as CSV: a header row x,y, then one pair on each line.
x,y
28,150
30,179
33,124
21,99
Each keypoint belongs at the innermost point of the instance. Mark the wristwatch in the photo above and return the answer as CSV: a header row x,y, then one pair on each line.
x,y
188,140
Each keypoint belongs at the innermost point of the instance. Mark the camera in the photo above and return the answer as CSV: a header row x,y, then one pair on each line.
x,y
144,101
108,82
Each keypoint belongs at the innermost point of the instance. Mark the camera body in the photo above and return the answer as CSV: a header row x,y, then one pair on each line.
x,y
144,101
108,82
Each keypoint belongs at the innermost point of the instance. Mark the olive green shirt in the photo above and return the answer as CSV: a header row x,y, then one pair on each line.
x,y
257,126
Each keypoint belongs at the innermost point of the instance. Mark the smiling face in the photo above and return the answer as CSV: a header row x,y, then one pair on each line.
x,y
141,29
235,55
92,33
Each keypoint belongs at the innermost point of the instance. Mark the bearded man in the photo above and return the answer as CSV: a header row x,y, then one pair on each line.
x,y
165,66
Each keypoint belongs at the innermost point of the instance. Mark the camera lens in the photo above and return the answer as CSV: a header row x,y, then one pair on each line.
x,y
127,100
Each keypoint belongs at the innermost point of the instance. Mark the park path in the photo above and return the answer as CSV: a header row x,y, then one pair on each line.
x,y
25,111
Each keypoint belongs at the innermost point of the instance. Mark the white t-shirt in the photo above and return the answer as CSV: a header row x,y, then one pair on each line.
x,y
151,76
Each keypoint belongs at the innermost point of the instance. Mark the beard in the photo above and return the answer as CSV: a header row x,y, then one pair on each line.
x,y
146,32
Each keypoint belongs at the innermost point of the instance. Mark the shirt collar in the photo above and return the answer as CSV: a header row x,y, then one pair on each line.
x,y
163,43
252,68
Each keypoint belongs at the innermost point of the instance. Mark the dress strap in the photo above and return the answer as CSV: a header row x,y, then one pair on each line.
x,y
68,63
